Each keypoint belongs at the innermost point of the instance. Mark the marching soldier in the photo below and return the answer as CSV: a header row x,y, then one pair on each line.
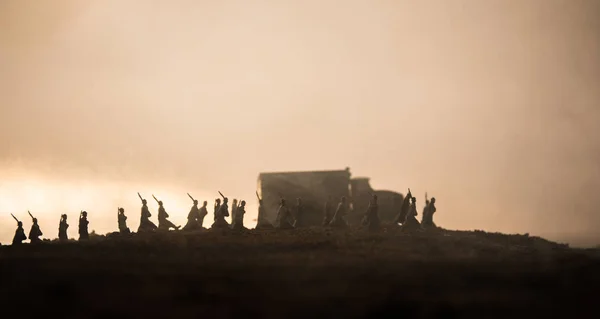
x,y
145,223
193,217
34,232
19,233
163,222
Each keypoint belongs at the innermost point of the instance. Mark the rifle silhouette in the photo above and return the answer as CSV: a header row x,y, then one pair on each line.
x,y
258,196
155,198
30,215
221,194
190,196
140,196
15,218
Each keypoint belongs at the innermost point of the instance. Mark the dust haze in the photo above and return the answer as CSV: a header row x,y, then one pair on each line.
x,y
490,106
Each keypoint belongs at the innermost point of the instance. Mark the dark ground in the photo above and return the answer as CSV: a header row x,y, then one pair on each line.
x,y
302,274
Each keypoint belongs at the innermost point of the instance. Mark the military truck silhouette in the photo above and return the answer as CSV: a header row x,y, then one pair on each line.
x,y
314,187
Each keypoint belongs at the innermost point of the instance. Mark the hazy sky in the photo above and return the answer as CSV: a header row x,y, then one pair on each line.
x,y
491,106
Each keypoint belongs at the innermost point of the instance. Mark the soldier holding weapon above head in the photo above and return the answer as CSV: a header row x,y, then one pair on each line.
x,y
19,233
34,232
145,223
163,222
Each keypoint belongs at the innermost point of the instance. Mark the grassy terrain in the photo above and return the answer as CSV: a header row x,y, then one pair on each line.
x,y
301,273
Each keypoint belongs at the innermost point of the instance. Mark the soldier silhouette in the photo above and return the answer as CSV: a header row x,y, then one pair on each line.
x,y
427,218
239,216
145,223
62,228
122,220
193,218
401,217
83,226
35,232
203,212
222,212
411,221
163,222
217,206
19,233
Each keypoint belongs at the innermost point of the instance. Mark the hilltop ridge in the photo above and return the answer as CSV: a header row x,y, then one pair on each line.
x,y
308,272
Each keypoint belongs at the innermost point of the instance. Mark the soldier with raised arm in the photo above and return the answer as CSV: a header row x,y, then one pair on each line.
x,y
262,221
145,223
193,217
339,219
163,222
238,223
427,220
83,226
19,233
62,228
328,211
122,220
283,216
35,232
